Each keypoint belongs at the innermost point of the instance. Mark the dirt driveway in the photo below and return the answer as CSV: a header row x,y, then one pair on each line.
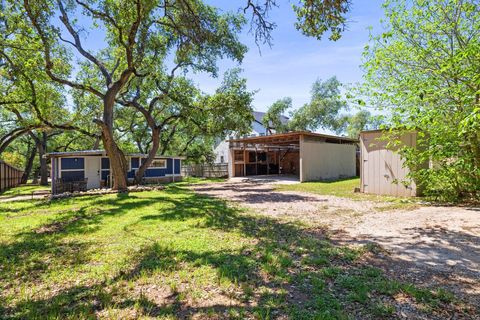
x,y
426,246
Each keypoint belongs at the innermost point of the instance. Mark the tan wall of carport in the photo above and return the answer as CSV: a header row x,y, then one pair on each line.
x,y
326,161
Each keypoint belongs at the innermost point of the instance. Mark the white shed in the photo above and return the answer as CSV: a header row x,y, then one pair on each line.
x,y
382,170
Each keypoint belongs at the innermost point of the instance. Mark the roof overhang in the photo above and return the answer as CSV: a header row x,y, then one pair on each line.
x,y
292,138
85,153
76,153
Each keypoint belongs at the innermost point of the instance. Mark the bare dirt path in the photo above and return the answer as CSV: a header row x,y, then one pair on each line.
x,y
428,245
22,198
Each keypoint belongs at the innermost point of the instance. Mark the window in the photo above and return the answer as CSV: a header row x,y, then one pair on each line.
x,y
158,163
222,159
134,163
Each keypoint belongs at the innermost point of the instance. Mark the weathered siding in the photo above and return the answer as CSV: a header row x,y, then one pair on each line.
x,y
9,176
326,161
382,169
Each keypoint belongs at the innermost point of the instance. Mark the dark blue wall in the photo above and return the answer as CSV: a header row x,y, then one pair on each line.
x,y
152,173
78,165
135,163
73,175
72,163
177,166
105,163
104,174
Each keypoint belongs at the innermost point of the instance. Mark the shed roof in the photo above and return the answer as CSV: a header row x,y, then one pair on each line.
x,y
102,153
293,138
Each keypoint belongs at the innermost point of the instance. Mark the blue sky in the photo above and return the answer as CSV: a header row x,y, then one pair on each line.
x,y
294,62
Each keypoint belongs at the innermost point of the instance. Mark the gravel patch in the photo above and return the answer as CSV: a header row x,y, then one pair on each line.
x,y
430,245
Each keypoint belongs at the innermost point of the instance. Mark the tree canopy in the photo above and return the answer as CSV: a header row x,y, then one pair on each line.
x,y
327,109
137,80
423,71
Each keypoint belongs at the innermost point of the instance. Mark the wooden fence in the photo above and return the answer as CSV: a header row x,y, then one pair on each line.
x,y
217,170
9,176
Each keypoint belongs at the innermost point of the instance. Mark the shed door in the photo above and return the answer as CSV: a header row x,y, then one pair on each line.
x,y
92,172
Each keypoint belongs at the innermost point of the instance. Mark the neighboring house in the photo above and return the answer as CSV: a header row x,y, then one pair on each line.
x,y
308,156
93,167
382,169
258,129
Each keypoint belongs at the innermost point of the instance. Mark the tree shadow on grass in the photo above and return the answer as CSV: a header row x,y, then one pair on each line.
x,y
38,250
283,271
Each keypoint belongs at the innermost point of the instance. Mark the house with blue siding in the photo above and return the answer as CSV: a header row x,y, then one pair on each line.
x,y
93,168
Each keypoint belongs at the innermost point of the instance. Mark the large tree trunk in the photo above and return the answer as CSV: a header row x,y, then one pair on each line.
x,y
150,157
118,162
28,167
41,144
42,149
35,175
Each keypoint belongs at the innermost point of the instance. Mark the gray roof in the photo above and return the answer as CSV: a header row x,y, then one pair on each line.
x,y
101,153
258,115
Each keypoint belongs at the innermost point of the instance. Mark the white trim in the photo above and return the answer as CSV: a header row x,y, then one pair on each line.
x,y
164,167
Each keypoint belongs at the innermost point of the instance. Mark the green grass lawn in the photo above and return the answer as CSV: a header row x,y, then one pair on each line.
x,y
345,189
23,190
199,180
172,254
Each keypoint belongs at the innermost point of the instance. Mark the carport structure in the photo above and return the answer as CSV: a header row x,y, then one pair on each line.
x,y
309,156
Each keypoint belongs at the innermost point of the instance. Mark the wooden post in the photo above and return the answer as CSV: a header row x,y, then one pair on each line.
x,y
256,161
52,174
244,161
268,169
302,171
